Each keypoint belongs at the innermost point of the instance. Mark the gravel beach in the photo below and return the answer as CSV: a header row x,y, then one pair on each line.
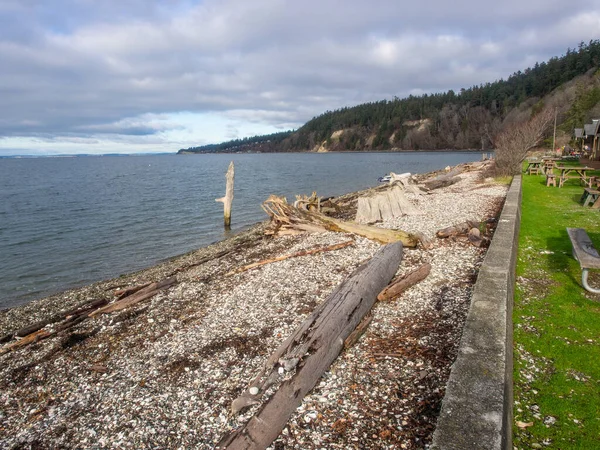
x,y
163,373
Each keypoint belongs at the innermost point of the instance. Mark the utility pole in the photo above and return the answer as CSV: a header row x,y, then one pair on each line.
x,y
554,137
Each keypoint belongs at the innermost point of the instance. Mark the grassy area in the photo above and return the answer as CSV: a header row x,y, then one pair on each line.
x,y
556,324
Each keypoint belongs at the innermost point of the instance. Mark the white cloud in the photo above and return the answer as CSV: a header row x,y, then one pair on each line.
x,y
131,72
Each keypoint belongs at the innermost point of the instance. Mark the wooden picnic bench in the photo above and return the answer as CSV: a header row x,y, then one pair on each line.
x,y
573,172
533,167
587,255
590,196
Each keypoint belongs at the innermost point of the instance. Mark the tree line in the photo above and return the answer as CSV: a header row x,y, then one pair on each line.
x,y
468,119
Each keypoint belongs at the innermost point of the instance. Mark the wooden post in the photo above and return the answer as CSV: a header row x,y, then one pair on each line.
x,y
228,197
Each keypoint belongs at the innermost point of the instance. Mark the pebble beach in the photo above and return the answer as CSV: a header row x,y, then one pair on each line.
x,y
164,372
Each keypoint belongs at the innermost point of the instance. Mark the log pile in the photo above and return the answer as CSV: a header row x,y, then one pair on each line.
x,y
68,319
287,219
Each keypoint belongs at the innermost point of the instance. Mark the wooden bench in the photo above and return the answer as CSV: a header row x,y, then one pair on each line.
x,y
587,255
588,196
550,179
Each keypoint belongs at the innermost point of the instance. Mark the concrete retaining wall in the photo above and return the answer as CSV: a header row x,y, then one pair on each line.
x,y
477,408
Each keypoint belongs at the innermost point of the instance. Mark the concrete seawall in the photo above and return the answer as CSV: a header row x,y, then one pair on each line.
x,y
477,408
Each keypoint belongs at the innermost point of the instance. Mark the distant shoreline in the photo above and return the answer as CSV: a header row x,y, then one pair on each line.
x,y
185,152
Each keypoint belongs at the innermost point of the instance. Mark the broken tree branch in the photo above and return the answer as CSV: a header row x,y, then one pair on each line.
x,y
143,294
399,285
293,255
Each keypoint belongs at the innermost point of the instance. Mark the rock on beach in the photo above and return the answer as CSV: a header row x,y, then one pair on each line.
x,y
164,372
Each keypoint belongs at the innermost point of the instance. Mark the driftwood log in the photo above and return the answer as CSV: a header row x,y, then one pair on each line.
x,y
459,229
122,293
444,180
142,294
286,219
309,351
314,251
400,284
473,230
67,319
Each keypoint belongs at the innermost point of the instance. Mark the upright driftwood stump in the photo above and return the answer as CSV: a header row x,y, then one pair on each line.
x,y
309,352
228,199
384,206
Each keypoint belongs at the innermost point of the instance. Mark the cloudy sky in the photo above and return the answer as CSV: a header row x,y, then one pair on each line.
x,y
99,76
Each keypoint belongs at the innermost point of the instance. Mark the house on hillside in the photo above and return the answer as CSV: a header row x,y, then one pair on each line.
x,y
590,137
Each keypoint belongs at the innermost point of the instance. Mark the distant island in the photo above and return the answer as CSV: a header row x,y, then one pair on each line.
x,y
465,120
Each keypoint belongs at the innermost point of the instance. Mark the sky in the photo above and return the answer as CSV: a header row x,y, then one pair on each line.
x,y
140,76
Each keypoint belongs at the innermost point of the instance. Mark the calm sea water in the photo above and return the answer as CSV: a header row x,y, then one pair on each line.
x,y
66,222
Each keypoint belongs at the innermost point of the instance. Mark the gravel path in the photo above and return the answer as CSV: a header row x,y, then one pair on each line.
x,y
163,373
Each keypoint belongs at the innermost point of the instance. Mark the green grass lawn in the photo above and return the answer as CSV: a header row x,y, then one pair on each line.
x,y
556,324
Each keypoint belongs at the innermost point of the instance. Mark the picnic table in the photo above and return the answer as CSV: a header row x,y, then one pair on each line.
x,y
573,172
534,166
549,163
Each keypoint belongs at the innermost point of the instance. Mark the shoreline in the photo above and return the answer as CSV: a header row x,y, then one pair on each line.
x,y
445,150
189,224
171,365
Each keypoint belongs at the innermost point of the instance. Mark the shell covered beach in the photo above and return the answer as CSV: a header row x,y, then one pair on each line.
x,y
163,372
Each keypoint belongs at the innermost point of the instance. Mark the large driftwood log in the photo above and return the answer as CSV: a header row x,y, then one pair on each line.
x,y
285,219
228,199
309,351
399,285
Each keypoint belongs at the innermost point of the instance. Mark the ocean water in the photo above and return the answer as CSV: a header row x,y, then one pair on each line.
x,y
69,221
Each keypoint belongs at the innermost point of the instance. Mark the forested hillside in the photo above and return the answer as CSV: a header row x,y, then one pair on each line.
x,y
468,119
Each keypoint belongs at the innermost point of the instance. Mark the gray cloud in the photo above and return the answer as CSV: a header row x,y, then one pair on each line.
x,y
87,68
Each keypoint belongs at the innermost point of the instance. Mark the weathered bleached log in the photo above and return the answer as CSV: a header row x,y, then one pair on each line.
x,y
314,251
402,177
228,199
406,183
309,351
445,179
143,294
284,217
399,285
440,183
312,203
